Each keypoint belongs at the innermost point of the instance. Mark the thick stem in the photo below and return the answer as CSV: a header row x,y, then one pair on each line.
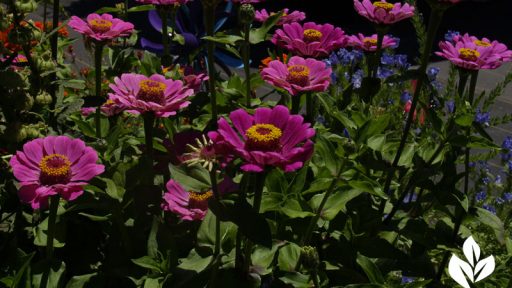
x,y
217,196
314,276
246,47
295,103
310,109
314,220
149,122
50,236
166,56
209,20
258,196
98,55
433,26
54,41
378,53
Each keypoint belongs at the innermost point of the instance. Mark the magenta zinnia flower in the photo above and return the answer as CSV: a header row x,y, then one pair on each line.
x,y
191,205
54,165
310,39
287,18
164,2
101,27
369,43
471,53
140,94
269,138
382,12
299,75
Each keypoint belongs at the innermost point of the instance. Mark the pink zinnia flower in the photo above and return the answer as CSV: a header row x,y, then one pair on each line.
x,y
287,18
369,43
54,165
270,137
101,27
299,75
194,81
472,53
86,111
140,94
110,108
310,39
191,205
382,12
164,2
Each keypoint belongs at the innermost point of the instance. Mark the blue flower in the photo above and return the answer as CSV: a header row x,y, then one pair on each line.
x,y
346,133
482,118
508,197
346,57
405,97
401,61
497,181
432,73
406,279
450,106
481,196
357,78
500,201
387,59
450,34
490,208
507,145
384,73
485,180
437,85
410,198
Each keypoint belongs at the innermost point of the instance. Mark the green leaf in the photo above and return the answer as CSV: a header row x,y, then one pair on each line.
x,y
366,186
148,263
288,258
465,120
376,142
259,35
141,8
296,280
195,262
335,203
491,220
292,209
21,271
326,152
276,181
262,259
370,269
373,127
80,280
108,10
112,190
224,39
55,276
407,155
193,178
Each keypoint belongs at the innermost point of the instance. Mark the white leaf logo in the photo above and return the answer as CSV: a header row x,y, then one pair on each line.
x,y
475,270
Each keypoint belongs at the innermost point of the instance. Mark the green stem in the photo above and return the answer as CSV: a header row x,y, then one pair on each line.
x,y
295,103
149,123
433,26
209,20
378,53
310,109
50,236
217,197
98,55
314,276
54,41
246,47
245,184
314,220
258,196
166,57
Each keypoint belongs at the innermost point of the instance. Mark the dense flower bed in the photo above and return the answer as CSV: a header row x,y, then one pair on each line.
x,y
337,163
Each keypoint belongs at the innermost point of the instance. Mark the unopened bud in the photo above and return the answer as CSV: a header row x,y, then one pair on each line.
x,y
247,13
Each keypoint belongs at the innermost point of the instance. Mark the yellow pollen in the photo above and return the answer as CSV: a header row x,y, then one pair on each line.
x,y
298,75
55,165
263,133
199,197
482,43
100,25
312,35
109,102
370,41
384,5
469,54
152,86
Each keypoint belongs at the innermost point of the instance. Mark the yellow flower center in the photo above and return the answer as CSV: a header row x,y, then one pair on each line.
x,y
369,42
100,25
55,169
152,91
469,54
263,137
312,35
109,102
298,75
384,5
200,197
482,43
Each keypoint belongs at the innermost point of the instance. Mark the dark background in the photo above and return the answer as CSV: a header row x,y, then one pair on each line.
x,y
481,18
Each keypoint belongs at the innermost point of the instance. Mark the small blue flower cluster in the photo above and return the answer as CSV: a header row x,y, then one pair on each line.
x,y
483,118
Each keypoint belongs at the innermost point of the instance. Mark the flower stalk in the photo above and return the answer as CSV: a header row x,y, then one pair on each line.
x,y
433,27
163,11
209,22
98,55
50,236
149,123
246,47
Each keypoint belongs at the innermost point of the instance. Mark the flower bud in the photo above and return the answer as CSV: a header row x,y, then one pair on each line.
x,y
247,13
310,258
25,6
43,98
45,62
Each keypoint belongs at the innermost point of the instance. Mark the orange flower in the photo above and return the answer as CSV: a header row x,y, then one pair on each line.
x,y
63,31
264,62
